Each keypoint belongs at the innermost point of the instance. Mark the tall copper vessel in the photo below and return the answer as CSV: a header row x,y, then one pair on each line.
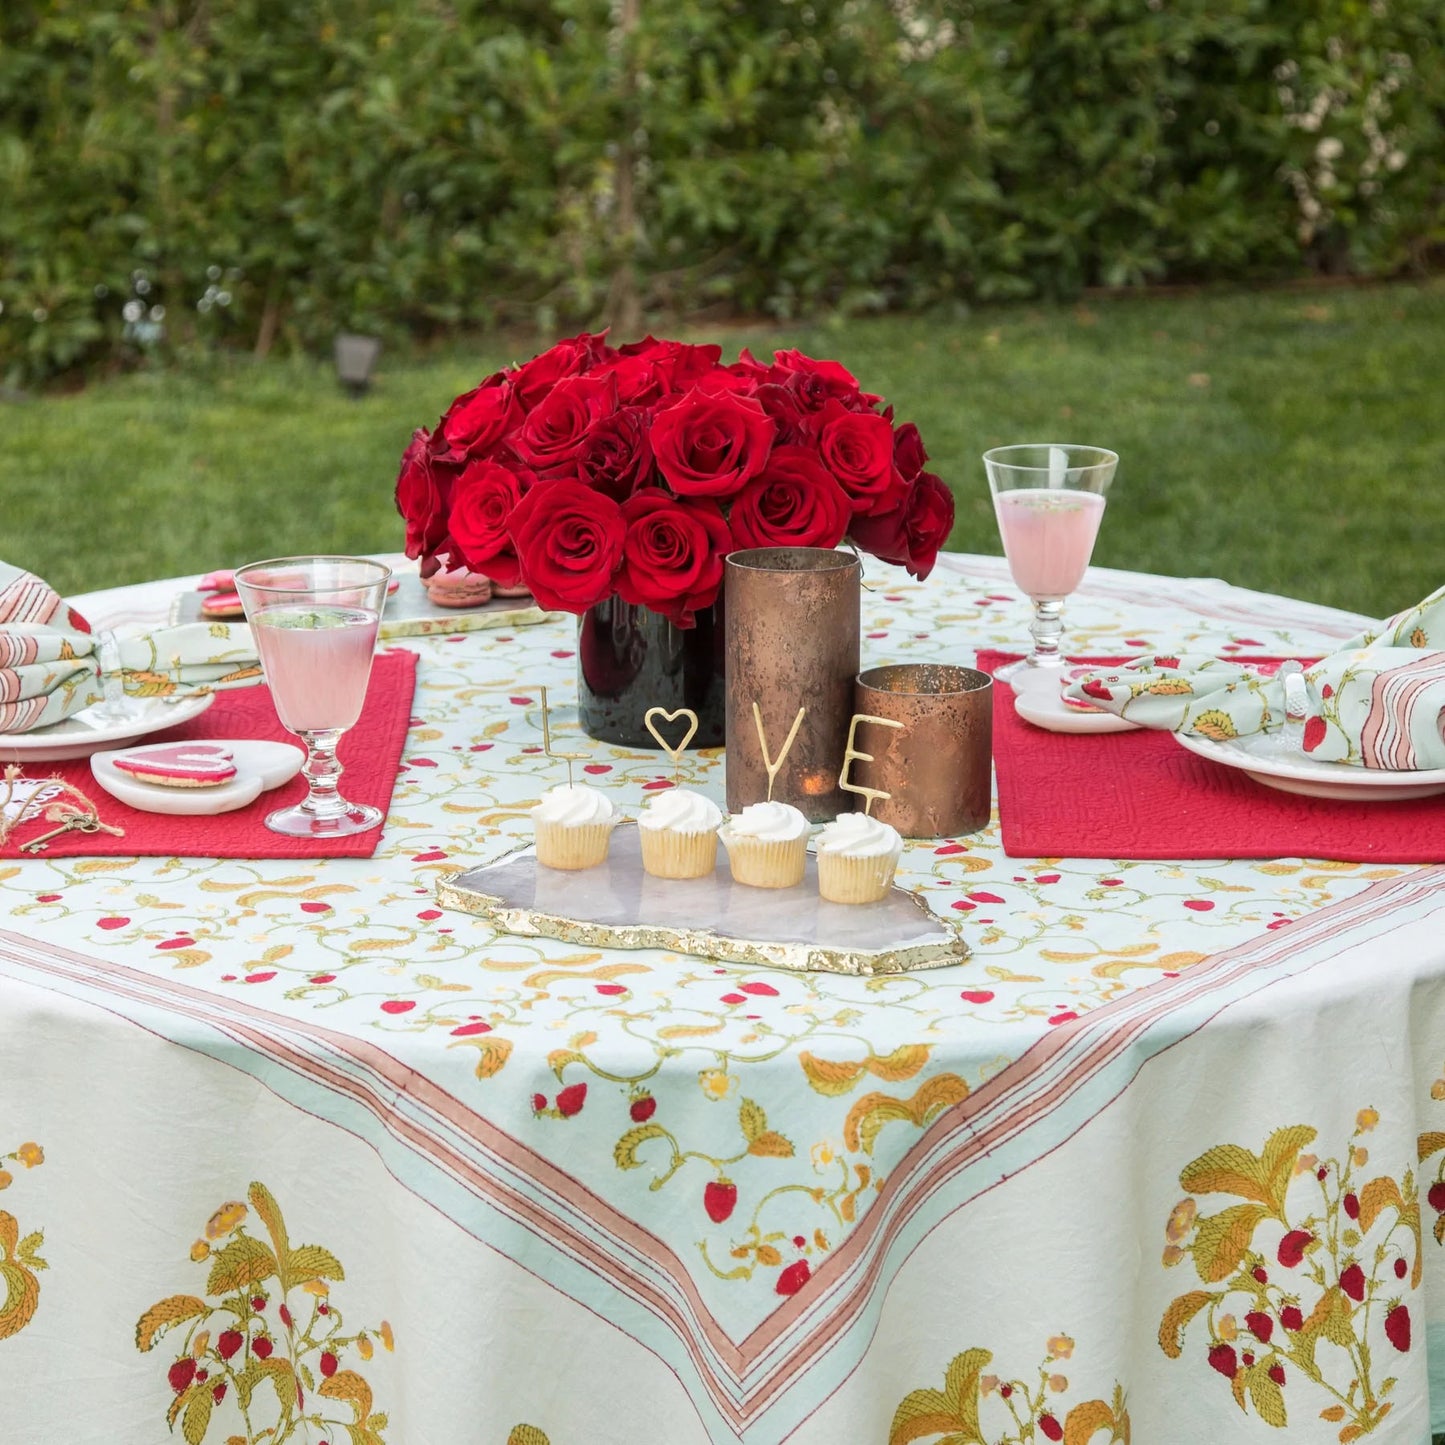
x,y
792,628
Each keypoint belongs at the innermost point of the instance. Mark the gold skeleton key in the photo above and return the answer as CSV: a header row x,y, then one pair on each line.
x,y
77,823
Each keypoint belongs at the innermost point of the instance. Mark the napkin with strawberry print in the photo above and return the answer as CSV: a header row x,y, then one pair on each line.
x,y
51,664
1379,702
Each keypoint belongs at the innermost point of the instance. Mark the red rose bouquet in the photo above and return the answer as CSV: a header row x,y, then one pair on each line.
x,y
590,471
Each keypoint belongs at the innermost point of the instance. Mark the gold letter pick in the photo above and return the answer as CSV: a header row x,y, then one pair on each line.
x,y
850,754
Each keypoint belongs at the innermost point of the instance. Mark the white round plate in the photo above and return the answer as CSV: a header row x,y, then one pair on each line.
x,y
259,766
1295,773
1037,700
81,734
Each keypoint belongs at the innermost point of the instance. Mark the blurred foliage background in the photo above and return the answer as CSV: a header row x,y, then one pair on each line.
x,y
185,176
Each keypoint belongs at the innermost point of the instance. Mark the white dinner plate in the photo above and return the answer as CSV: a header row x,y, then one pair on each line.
x,y
1295,773
1038,699
88,730
259,766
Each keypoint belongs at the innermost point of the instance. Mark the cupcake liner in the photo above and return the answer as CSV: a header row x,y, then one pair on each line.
x,y
842,879
763,864
667,853
560,845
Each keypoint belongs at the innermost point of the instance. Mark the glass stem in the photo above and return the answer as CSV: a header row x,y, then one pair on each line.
x,y
322,772
1047,628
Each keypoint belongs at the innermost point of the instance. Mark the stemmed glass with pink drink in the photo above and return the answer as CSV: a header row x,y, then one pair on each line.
x,y
315,620
1049,501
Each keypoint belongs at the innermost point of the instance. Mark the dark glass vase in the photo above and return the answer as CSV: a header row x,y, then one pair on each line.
x,y
630,658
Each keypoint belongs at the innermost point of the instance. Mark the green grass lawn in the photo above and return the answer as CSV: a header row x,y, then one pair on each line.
x,y
1288,441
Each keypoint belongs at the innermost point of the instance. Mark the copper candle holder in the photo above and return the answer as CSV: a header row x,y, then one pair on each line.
x,y
936,771
793,631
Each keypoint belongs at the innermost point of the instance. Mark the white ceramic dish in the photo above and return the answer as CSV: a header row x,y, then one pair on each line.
x,y
259,766
87,731
1296,773
1037,700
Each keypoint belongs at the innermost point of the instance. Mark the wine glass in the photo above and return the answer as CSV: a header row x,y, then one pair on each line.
x,y
1049,501
314,621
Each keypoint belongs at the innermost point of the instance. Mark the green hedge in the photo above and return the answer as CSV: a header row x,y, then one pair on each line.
x,y
269,172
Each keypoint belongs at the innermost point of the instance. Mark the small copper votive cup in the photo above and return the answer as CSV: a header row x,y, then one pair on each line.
x,y
937,767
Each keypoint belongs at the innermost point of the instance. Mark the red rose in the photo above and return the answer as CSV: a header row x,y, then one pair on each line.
x,y
908,453
672,559
791,419
483,500
649,370
569,541
857,447
616,456
710,445
533,380
639,380
795,503
476,421
422,490
556,427
817,381
911,534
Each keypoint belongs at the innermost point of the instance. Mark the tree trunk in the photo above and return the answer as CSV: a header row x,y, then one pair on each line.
x,y
270,318
624,304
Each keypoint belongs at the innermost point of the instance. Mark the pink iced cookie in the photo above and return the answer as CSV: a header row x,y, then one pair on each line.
x,y
221,605
179,765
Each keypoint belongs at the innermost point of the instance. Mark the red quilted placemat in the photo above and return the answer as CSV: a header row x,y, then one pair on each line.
x,y
1140,795
370,752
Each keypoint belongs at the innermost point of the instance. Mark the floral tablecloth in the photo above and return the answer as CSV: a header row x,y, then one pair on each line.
x,y
288,1154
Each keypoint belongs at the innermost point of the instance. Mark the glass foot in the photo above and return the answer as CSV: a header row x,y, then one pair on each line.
x,y
1026,671
299,822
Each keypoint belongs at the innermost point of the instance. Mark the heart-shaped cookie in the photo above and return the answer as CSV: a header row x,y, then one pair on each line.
x,y
179,765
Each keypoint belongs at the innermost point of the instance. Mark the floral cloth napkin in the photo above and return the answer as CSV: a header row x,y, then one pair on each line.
x,y
1379,702
51,665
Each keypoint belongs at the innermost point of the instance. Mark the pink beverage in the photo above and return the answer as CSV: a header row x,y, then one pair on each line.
x,y
317,661
1048,536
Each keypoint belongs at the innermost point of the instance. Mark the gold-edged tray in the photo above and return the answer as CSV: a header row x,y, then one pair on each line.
x,y
619,905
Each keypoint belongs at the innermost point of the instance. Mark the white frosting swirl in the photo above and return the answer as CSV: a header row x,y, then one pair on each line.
x,y
682,811
856,835
771,822
574,806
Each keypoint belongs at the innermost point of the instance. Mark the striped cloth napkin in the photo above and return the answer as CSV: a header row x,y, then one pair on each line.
x,y
51,664
1379,702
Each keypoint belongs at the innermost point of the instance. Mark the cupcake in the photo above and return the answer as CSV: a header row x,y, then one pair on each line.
x,y
678,830
574,825
857,857
767,845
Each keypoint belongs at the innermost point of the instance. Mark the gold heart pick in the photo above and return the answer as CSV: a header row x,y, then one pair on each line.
x,y
674,753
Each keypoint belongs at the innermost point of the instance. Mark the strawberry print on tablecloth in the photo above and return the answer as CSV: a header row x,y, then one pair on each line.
x,y
265,1354
20,1265
1308,1277
978,1407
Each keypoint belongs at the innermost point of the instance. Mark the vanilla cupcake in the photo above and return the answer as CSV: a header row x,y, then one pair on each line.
x,y
767,845
678,830
574,825
857,857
